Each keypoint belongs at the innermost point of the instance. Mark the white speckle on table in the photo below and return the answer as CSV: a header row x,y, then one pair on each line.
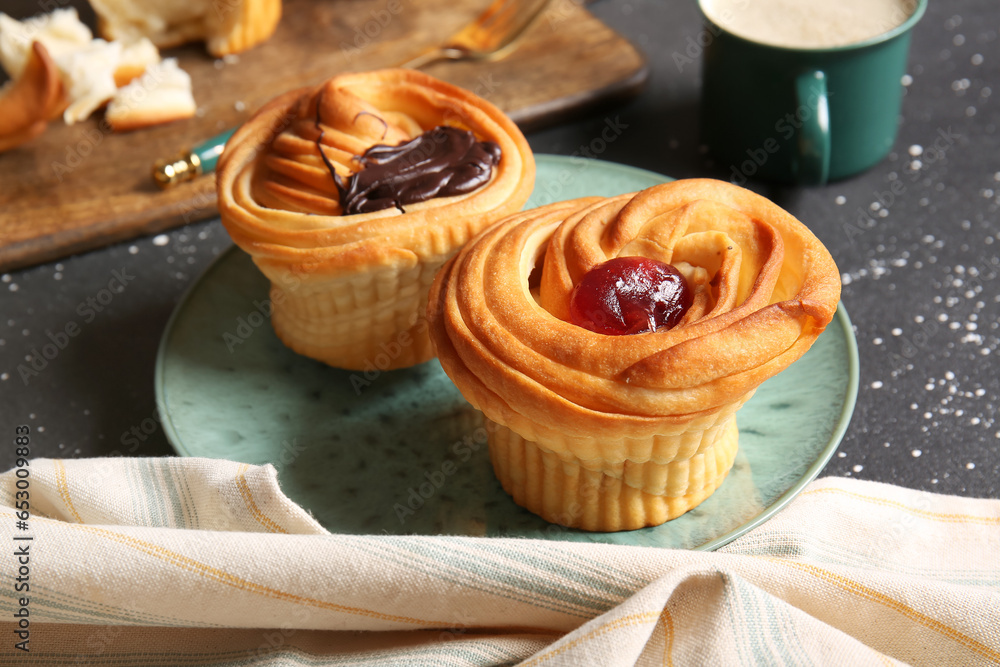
x,y
885,444
858,468
4,376
970,465
914,406
841,455
916,165
942,317
958,40
906,79
934,481
875,206
240,106
161,240
916,150
960,85
25,332
970,111
13,287
976,59
877,341
916,453
57,276
133,250
877,384
897,332
840,200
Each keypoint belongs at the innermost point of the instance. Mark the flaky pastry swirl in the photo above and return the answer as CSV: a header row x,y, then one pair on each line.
x,y
765,287
279,201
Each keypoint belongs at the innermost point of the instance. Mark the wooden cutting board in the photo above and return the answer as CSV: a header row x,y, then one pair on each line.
x,y
81,187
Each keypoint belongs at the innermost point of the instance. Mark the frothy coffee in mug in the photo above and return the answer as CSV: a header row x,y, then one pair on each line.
x,y
809,24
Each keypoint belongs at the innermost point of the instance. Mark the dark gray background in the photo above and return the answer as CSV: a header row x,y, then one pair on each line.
x,y
920,280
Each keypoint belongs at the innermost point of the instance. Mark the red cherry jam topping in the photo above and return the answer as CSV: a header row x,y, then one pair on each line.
x,y
630,295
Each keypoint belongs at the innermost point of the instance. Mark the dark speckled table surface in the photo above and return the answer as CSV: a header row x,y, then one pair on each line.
x,y
920,274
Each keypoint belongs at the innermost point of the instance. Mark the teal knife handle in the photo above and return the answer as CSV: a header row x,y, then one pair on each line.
x,y
208,151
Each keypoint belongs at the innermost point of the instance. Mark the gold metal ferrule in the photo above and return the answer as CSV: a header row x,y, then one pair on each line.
x,y
167,173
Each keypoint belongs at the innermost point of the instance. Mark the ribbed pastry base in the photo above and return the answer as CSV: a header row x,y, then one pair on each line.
x,y
611,495
371,321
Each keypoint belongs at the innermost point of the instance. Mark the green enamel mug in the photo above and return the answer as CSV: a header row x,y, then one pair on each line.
x,y
801,115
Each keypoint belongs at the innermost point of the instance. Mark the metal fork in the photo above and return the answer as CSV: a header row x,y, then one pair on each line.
x,y
488,36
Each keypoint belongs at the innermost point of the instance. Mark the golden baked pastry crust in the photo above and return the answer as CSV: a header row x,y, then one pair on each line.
x,y
27,104
346,286
764,288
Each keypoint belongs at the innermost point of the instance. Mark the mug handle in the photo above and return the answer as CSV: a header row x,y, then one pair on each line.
x,y
814,136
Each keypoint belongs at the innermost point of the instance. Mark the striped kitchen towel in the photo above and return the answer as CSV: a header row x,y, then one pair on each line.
x,y
187,561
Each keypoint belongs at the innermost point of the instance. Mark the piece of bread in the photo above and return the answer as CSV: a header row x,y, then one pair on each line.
x,y
28,102
161,95
89,76
350,290
226,26
91,69
135,58
616,432
61,32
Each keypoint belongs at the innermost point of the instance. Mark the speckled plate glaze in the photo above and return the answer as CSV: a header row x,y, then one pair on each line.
x,y
403,453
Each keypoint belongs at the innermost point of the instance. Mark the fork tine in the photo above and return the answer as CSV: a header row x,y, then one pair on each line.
x,y
502,22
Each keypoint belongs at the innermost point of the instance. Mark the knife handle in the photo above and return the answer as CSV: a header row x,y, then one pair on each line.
x,y
199,160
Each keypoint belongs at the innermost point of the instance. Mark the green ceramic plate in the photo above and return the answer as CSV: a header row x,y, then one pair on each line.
x,y
406,454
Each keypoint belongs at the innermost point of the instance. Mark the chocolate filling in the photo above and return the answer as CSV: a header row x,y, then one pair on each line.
x,y
442,162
